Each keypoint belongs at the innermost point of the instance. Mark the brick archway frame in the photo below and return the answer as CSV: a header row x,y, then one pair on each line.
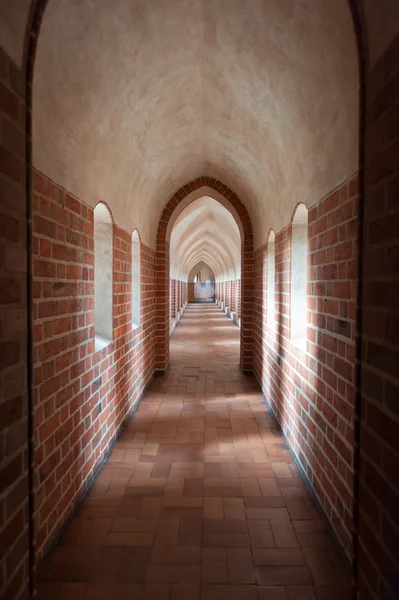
x,y
162,270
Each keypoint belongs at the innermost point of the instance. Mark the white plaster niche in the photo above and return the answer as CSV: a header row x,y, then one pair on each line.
x,y
136,280
299,260
271,270
103,280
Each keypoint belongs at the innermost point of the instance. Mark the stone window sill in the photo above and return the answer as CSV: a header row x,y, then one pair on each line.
x,y
101,342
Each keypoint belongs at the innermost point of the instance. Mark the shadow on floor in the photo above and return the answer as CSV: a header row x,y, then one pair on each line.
x,y
200,499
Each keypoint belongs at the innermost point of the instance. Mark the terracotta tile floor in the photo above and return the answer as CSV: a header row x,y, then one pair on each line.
x,y
200,499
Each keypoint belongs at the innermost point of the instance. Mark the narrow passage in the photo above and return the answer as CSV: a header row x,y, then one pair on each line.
x,y
200,499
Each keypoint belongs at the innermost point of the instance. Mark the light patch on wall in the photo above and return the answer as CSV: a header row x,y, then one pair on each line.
x,y
271,269
103,280
299,261
136,280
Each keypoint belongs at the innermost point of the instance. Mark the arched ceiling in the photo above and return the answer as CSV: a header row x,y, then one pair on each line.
x,y
206,272
205,231
132,99
381,18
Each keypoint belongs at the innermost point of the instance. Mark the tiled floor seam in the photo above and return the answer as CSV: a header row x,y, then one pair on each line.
x,y
200,498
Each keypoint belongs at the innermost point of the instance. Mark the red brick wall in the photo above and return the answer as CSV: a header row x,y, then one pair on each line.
x,y
176,297
228,296
379,465
172,298
190,287
228,293
312,393
177,300
14,562
233,299
238,298
185,292
81,397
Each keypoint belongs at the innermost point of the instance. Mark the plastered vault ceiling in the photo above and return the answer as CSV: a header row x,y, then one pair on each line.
x,y
133,99
205,232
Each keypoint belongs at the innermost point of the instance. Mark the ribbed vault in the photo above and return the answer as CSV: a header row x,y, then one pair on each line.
x,y
205,231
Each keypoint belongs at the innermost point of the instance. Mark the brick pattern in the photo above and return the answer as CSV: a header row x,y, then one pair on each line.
x,y
162,272
228,297
233,299
238,298
201,291
172,298
82,397
14,562
177,301
379,465
201,499
312,392
190,290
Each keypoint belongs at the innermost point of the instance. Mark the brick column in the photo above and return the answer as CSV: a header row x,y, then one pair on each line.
x,y
190,291
171,297
379,481
163,310
175,298
238,297
233,297
14,564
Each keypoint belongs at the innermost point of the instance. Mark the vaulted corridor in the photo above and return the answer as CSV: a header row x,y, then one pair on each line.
x,y
200,498
199,316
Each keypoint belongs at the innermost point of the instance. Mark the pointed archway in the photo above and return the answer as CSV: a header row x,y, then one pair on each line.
x,y
182,198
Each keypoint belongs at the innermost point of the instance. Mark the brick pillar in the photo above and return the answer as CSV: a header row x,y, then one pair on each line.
x,y
379,482
162,298
14,563
175,297
238,297
190,291
233,297
173,307
171,297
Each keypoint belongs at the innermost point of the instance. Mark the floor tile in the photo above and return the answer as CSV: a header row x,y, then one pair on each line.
x,y
200,498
